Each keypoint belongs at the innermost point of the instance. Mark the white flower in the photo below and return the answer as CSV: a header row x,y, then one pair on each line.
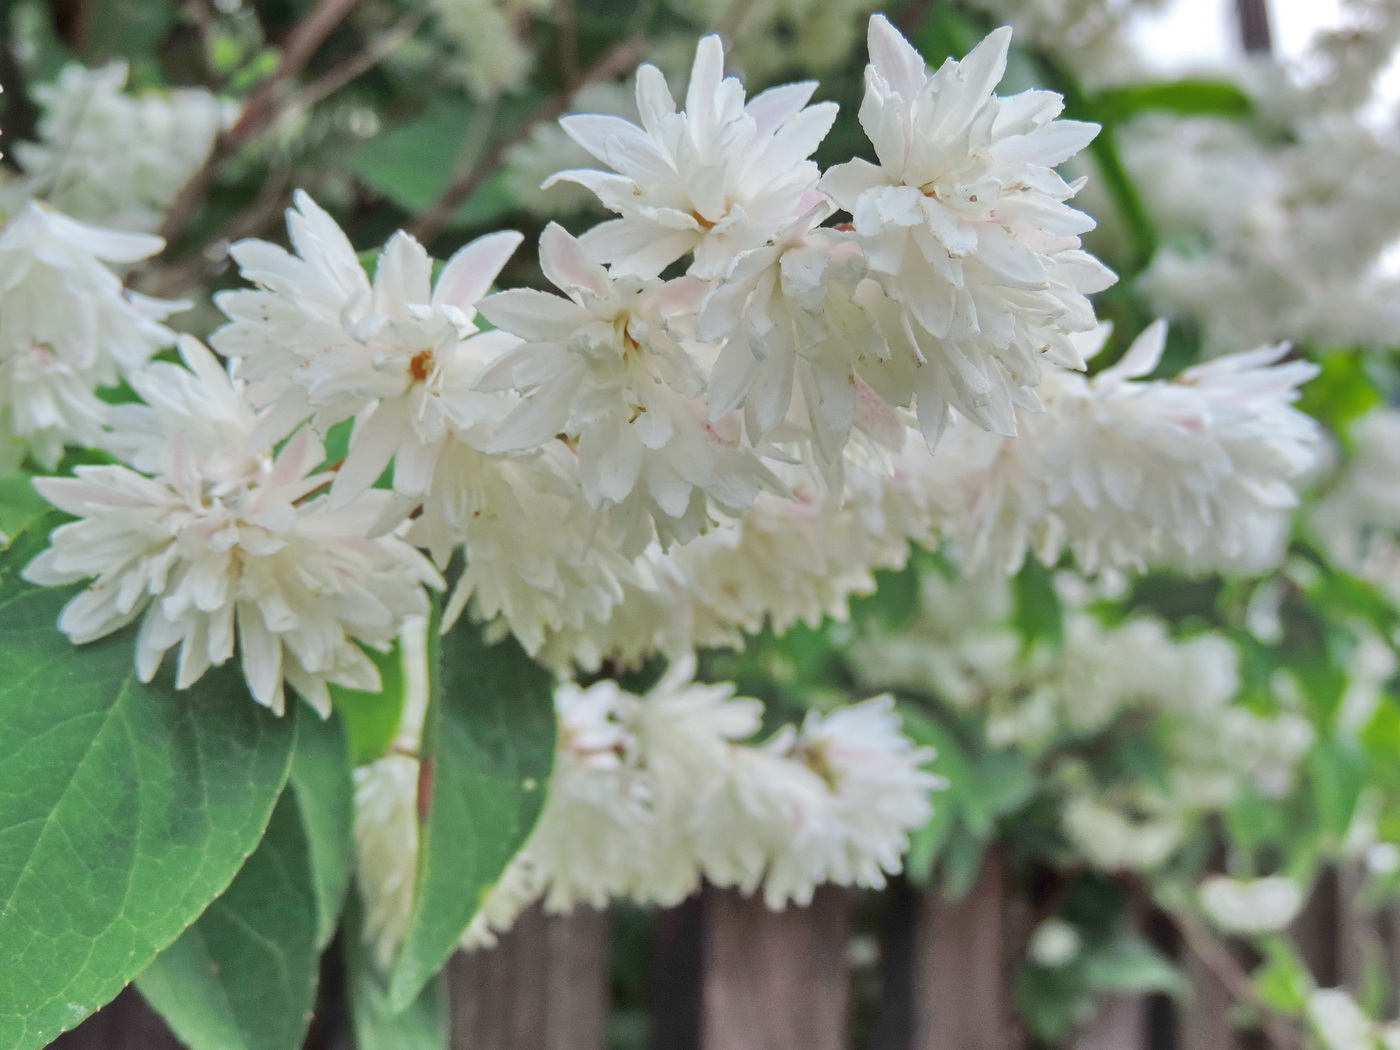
x,y
790,317
608,368
1251,905
67,327
223,543
1054,944
716,178
1340,1023
1197,472
549,149
112,159
963,222
495,58
400,354
1115,839
835,802
386,850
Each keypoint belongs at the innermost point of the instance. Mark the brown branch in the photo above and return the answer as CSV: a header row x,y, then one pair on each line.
x,y
434,219
1278,1029
260,110
341,74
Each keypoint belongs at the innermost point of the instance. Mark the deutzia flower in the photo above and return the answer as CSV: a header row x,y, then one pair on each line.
x,y
833,802
109,158
609,368
963,223
67,327
790,316
222,543
400,353
1197,472
715,178
1251,905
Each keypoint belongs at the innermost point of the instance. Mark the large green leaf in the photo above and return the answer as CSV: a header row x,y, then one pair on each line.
x,y
1191,97
124,808
324,791
372,719
489,742
423,1026
413,162
244,976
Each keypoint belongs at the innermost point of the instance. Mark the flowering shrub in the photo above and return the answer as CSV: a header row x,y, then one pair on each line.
x,y
859,406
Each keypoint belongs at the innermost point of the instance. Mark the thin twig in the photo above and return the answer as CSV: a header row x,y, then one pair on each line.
x,y
430,222
260,110
198,266
566,18
1280,1032
341,74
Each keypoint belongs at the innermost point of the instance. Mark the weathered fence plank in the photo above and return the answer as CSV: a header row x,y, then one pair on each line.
x,y
1205,1016
1121,1024
776,980
545,986
963,958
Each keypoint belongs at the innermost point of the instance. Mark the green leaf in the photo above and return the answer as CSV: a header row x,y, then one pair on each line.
x,y
1283,981
124,808
323,788
489,749
1130,965
926,844
244,976
423,1026
1342,391
126,29
21,507
415,161
1189,97
372,719
962,862
1002,781
1037,615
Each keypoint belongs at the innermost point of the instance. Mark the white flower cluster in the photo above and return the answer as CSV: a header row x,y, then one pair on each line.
x,y
67,328
1049,703
1196,472
211,540
649,459
1340,1023
651,794
1251,906
1272,232
493,56
115,159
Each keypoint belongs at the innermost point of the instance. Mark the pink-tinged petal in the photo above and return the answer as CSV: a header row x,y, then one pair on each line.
x,y
539,417
638,248
469,274
619,144
372,445
1047,146
1142,357
706,74
568,266
111,245
533,315
403,276
261,653
610,460
654,99
777,105
319,240
844,183
894,58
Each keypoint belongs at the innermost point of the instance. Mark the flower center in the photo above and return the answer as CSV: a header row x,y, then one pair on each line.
x,y
421,366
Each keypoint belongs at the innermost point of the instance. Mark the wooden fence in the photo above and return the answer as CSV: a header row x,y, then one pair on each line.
x,y
905,970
